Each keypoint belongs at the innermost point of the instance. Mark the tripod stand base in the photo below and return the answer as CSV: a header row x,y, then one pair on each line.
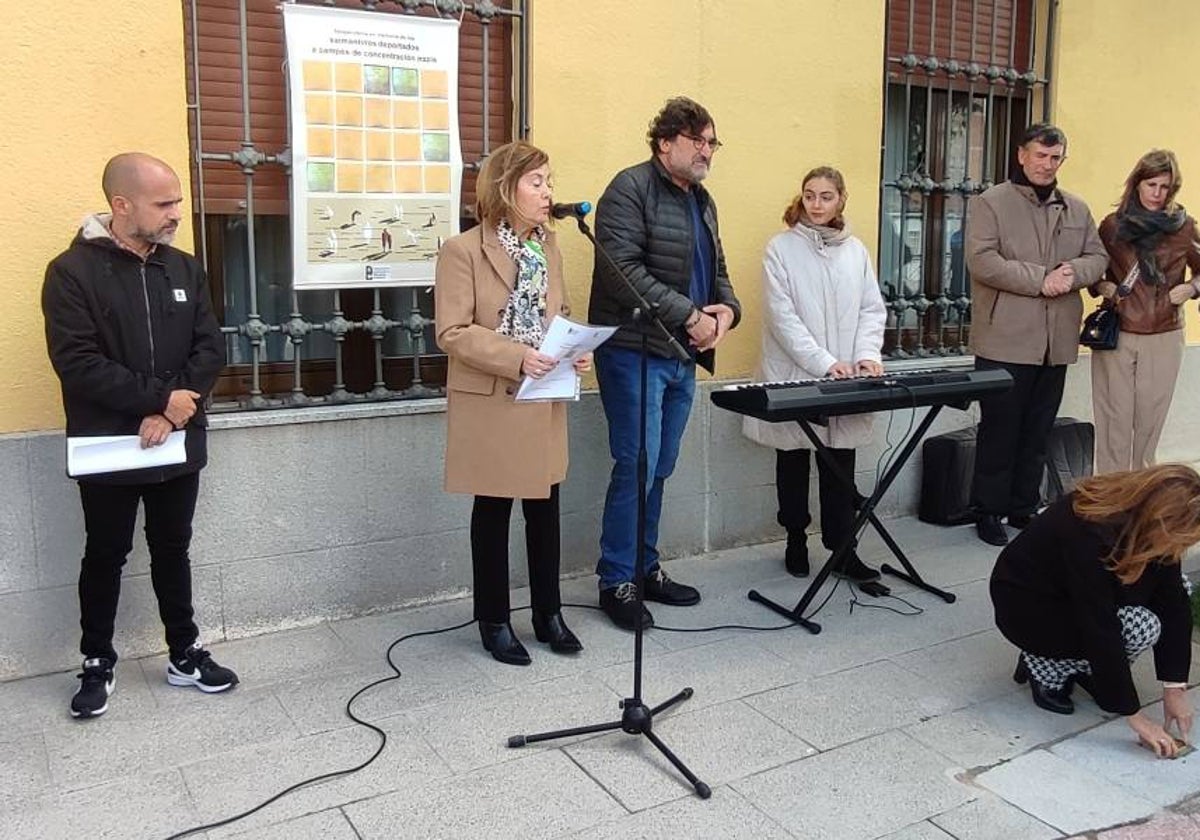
x,y
791,615
636,719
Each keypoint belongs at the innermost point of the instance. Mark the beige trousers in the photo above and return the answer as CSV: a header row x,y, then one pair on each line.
x,y
1132,388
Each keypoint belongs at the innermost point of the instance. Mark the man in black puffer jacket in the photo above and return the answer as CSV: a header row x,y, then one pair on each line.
x,y
132,337
660,226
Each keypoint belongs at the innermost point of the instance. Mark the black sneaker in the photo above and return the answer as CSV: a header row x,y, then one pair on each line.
x,y
96,682
196,667
854,569
620,604
661,588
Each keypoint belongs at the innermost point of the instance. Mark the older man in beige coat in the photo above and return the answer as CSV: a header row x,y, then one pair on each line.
x,y
1030,248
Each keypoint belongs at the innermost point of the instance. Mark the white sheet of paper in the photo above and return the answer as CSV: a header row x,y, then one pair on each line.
x,y
115,453
566,341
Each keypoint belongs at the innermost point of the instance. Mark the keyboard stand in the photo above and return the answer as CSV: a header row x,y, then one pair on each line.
x,y
866,513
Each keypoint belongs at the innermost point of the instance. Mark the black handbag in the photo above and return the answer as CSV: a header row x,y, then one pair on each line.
x,y
1101,329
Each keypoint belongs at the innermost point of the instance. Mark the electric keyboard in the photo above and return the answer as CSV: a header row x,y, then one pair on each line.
x,y
818,398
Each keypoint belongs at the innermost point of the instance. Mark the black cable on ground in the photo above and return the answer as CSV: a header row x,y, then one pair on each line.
x,y
335,774
350,714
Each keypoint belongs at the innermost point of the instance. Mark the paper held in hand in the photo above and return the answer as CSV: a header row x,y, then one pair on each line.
x,y
566,341
116,453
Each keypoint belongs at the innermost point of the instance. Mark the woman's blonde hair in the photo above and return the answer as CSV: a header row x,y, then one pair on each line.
x,y
496,186
1157,512
795,210
1150,165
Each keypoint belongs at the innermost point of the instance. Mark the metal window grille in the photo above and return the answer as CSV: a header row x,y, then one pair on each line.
x,y
294,348
963,78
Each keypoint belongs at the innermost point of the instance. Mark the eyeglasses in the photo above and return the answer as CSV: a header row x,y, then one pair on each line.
x,y
701,142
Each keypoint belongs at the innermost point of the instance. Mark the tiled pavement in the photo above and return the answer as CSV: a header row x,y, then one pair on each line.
x,y
884,725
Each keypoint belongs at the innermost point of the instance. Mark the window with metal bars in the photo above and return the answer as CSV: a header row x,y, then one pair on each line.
x,y
289,348
962,79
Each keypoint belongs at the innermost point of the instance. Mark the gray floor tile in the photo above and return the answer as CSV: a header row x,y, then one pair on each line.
x,y
971,669
107,748
727,814
1063,795
24,772
1111,752
318,703
851,638
722,671
473,733
838,708
923,830
232,782
999,729
30,704
718,743
991,818
865,789
367,638
326,825
141,807
543,795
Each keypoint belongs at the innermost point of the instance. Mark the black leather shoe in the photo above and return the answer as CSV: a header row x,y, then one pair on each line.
x,y
991,530
795,559
1020,522
1052,700
550,627
659,587
852,568
503,643
621,605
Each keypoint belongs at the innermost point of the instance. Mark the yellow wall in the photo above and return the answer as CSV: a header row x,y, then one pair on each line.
x,y
1124,84
792,84
82,81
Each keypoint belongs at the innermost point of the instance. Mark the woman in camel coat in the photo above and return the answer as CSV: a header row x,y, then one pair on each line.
x,y
498,287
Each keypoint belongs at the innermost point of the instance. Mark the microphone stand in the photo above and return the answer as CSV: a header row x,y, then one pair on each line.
x,y
636,717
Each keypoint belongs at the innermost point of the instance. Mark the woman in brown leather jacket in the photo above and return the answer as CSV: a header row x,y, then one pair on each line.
x,y
1151,243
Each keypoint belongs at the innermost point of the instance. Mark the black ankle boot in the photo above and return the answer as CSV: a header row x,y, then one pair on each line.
x,y
1057,700
503,643
550,627
795,558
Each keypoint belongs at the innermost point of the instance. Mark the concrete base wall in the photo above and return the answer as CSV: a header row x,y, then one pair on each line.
x,y
333,512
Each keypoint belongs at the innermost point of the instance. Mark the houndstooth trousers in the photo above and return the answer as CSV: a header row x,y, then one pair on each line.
x,y
1140,629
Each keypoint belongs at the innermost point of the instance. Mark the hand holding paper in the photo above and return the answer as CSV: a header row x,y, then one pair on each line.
x,y
566,343
115,453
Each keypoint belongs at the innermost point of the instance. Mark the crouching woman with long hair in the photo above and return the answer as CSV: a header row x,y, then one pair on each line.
x,y
1093,582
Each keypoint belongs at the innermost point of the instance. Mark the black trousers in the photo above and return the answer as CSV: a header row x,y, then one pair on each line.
x,y
489,554
109,515
1010,446
792,471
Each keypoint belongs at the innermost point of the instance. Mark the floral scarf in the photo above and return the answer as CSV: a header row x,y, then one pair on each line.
x,y
524,316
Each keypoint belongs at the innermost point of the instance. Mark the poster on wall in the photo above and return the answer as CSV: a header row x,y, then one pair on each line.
x,y
376,157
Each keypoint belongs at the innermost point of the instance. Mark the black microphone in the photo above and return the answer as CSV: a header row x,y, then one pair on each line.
x,y
579,209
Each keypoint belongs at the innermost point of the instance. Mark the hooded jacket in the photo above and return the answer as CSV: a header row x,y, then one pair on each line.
x,y
123,333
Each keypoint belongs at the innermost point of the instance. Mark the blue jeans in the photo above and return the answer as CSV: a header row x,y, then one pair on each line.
x,y
670,385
